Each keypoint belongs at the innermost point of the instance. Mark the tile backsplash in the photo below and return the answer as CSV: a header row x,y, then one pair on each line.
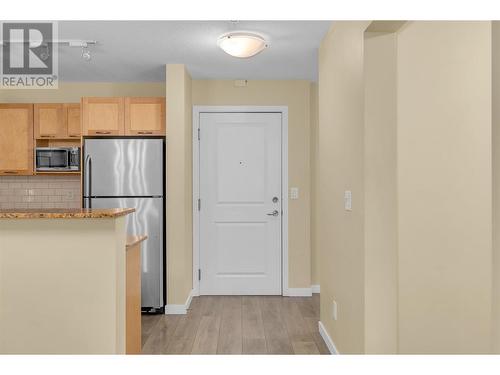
x,y
40,192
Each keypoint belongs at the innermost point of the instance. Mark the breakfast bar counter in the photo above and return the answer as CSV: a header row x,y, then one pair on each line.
x,y
63,281
77,213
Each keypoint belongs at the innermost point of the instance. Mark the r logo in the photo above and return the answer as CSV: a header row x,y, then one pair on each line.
x,y
27,48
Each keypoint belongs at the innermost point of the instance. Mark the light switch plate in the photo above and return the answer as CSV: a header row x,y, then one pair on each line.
x,y
348,200
294,193
334,310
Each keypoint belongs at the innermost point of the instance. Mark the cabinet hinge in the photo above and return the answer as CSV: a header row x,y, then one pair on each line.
x,y
199,274
199,204
198,133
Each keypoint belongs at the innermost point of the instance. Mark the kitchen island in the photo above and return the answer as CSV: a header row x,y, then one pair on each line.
x,y
62,281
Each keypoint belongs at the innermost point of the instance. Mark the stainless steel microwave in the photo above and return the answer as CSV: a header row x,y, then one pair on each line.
x,y
57,159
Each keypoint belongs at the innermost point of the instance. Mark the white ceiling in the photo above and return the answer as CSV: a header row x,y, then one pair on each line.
x,y
137,51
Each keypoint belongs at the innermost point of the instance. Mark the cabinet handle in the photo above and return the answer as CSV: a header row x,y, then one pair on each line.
x,y
74,135
144,132
103,132
10,172
47,136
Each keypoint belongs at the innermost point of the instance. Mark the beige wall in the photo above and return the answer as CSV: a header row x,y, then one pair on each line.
x,y
315,256
381,252
340,168
62,286
179,185
71,92
295,95
425,139
444,187
496,183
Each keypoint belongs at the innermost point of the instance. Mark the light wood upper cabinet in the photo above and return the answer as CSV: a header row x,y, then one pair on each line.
x,y
57,121
73,120
145,116
16,139
103,116
49,121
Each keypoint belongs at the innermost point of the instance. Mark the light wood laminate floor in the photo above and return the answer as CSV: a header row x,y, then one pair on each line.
x,y
237,325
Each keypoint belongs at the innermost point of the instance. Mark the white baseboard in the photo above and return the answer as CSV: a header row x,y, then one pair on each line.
x,y
301,292
180,309
327,339
298,292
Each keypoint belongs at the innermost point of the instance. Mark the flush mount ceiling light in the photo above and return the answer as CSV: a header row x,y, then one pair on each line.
x,y
242,44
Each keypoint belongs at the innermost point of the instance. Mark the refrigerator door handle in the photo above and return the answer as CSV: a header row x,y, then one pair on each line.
x,y
88,179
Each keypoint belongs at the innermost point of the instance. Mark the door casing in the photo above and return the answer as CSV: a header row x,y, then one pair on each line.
x,y
284,184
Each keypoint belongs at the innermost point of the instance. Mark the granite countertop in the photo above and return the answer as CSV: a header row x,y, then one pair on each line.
x,y
134,240
76,213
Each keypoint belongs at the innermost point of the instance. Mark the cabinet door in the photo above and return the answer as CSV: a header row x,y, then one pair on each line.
x,y
73,120
145,116
49,121
103,116
16,139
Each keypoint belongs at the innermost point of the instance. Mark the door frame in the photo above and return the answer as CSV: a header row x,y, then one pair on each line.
x,y
197,110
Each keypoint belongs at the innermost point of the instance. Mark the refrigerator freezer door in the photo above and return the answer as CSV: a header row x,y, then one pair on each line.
x,y
147,219
123,167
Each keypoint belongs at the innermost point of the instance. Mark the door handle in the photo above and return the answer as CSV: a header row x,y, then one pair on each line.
x,y
274,213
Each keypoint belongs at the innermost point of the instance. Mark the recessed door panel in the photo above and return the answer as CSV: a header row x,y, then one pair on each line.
x,y
241,249
241,169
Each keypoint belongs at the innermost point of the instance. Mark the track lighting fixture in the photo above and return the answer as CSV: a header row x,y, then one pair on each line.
x,y
86,53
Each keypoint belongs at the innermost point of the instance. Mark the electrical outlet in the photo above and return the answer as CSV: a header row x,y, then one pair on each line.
x,y
334,310
70,195
294,193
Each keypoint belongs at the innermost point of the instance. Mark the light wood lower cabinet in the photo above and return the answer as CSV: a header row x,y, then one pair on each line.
x,y
16,139
133,295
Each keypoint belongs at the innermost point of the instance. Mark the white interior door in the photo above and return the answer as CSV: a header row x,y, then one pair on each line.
x,y
240,215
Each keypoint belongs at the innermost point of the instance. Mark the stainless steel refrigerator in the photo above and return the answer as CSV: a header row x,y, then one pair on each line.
x,y
130,172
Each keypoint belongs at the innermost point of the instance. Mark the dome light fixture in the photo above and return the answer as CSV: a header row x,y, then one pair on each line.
x,y
242,44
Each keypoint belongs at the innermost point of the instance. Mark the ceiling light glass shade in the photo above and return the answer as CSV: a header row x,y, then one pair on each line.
x,y
242,44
